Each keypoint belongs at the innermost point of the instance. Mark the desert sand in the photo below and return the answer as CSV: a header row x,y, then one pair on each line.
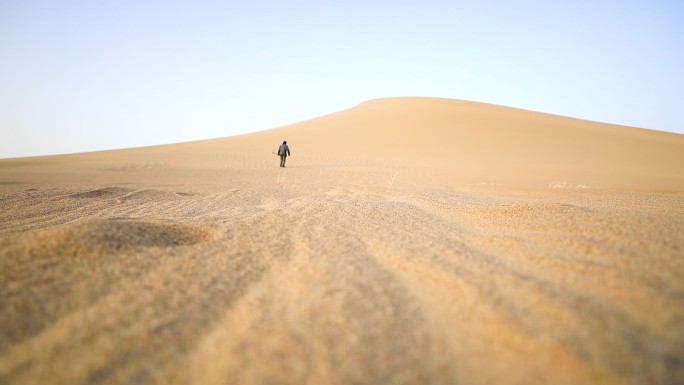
x,y
408,241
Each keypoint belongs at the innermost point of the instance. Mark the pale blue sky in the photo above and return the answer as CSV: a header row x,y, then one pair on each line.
x,y
89,75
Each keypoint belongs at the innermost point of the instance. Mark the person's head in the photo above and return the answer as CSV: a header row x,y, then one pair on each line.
x,y
284,141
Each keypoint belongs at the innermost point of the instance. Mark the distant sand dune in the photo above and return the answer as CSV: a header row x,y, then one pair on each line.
x,y
408,241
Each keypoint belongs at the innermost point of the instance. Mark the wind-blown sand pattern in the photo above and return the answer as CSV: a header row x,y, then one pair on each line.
x,y
407,241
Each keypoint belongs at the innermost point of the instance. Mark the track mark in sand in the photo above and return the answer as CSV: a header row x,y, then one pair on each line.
x,y
521,306
104,236
329,314
142,328
469,328
137,313
31,210
151,195
101,193
338,286
41,264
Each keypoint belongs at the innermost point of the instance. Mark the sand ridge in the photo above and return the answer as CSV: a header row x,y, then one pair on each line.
x,y
205,263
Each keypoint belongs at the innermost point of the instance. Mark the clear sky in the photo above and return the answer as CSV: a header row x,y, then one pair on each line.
x,y
89,75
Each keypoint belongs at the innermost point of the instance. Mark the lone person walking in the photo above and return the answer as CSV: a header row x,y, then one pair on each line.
x,y
283,151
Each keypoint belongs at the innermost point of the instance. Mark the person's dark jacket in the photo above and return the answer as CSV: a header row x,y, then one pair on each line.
x,y
284,150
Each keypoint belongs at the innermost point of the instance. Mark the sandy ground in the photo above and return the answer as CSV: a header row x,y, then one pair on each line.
x,y
205,263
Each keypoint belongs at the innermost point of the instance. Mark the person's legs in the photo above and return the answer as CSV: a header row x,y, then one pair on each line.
x,y
282,161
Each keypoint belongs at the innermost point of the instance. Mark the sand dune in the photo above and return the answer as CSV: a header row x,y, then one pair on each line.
x,y
430,142
409,240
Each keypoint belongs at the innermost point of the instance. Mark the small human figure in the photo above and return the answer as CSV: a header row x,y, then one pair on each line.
x,y
283,151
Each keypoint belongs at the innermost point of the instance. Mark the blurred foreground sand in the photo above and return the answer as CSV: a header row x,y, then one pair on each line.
x,y
408,241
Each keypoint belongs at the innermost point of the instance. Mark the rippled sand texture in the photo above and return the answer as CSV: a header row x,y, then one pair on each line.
x,y
202,264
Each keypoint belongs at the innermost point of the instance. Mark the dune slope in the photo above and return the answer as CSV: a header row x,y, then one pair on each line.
x,y
475,140
431,142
